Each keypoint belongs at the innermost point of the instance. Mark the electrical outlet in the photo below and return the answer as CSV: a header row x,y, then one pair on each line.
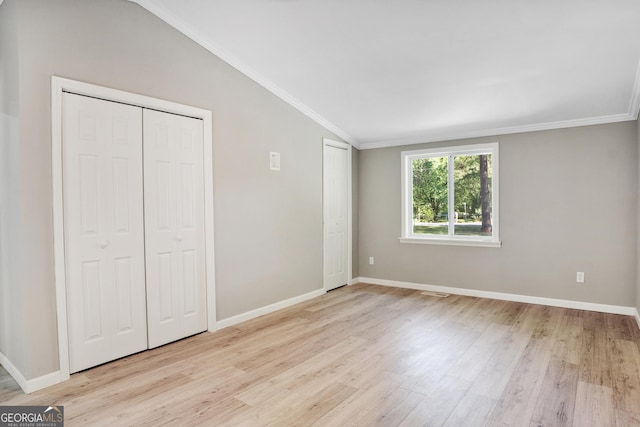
x,y
371,260
580,277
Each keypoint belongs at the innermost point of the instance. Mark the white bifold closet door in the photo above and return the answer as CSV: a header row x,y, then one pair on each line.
x,y
134,228
174,226
104,231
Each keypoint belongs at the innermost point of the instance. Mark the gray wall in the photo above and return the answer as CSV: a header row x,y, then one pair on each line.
x,y
567,204
12,313
268,225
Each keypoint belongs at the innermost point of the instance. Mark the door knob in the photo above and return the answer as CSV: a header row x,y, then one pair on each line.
x,y
179,237
103,244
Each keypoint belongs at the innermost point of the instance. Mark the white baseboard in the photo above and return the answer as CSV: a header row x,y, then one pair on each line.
x,y
30,386
637,316
268,309
14,372
44,381
579,305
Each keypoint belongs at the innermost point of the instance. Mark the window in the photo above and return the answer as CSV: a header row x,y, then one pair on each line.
x,y
450,196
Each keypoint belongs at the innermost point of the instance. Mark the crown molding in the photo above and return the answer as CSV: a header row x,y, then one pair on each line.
x,y
499,131
230,59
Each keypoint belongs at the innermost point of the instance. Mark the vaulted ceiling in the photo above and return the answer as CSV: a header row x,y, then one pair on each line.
x,y
381,73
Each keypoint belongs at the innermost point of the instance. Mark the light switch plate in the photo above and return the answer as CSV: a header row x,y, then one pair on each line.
x,y
274,161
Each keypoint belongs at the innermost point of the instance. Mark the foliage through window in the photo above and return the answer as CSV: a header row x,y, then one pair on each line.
x,y
450,195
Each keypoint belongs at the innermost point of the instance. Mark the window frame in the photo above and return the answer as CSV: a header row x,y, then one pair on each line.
x,y
407,157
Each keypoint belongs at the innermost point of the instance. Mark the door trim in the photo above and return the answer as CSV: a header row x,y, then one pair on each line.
x,y
60,85
326,142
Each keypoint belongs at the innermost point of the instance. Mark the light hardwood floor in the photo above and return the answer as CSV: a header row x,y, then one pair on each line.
x,y
369,355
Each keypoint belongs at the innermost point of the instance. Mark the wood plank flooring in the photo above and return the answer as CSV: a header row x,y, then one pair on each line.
x,y
368,355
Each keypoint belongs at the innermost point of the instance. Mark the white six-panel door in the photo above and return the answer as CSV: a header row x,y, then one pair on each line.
x,y
174,226
134,228
104,234
335,201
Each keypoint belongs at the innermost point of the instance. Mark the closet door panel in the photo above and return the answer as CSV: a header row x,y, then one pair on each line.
x,y
174,226
104,230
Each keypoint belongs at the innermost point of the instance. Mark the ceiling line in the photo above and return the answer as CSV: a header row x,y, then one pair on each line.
x,y
634,104
172,20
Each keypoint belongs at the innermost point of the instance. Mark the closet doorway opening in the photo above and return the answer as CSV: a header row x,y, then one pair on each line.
x,y
149,251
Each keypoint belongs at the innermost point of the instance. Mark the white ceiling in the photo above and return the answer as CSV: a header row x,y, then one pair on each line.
x,y
381,73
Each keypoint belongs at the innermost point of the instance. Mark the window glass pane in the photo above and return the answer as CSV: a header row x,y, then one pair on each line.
x,y
430,196
472,191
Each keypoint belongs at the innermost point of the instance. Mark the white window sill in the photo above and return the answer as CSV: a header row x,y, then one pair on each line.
x,y
451,242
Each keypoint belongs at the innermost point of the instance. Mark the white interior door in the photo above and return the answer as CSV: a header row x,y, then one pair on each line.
x,y
174,226
104,232
335,200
